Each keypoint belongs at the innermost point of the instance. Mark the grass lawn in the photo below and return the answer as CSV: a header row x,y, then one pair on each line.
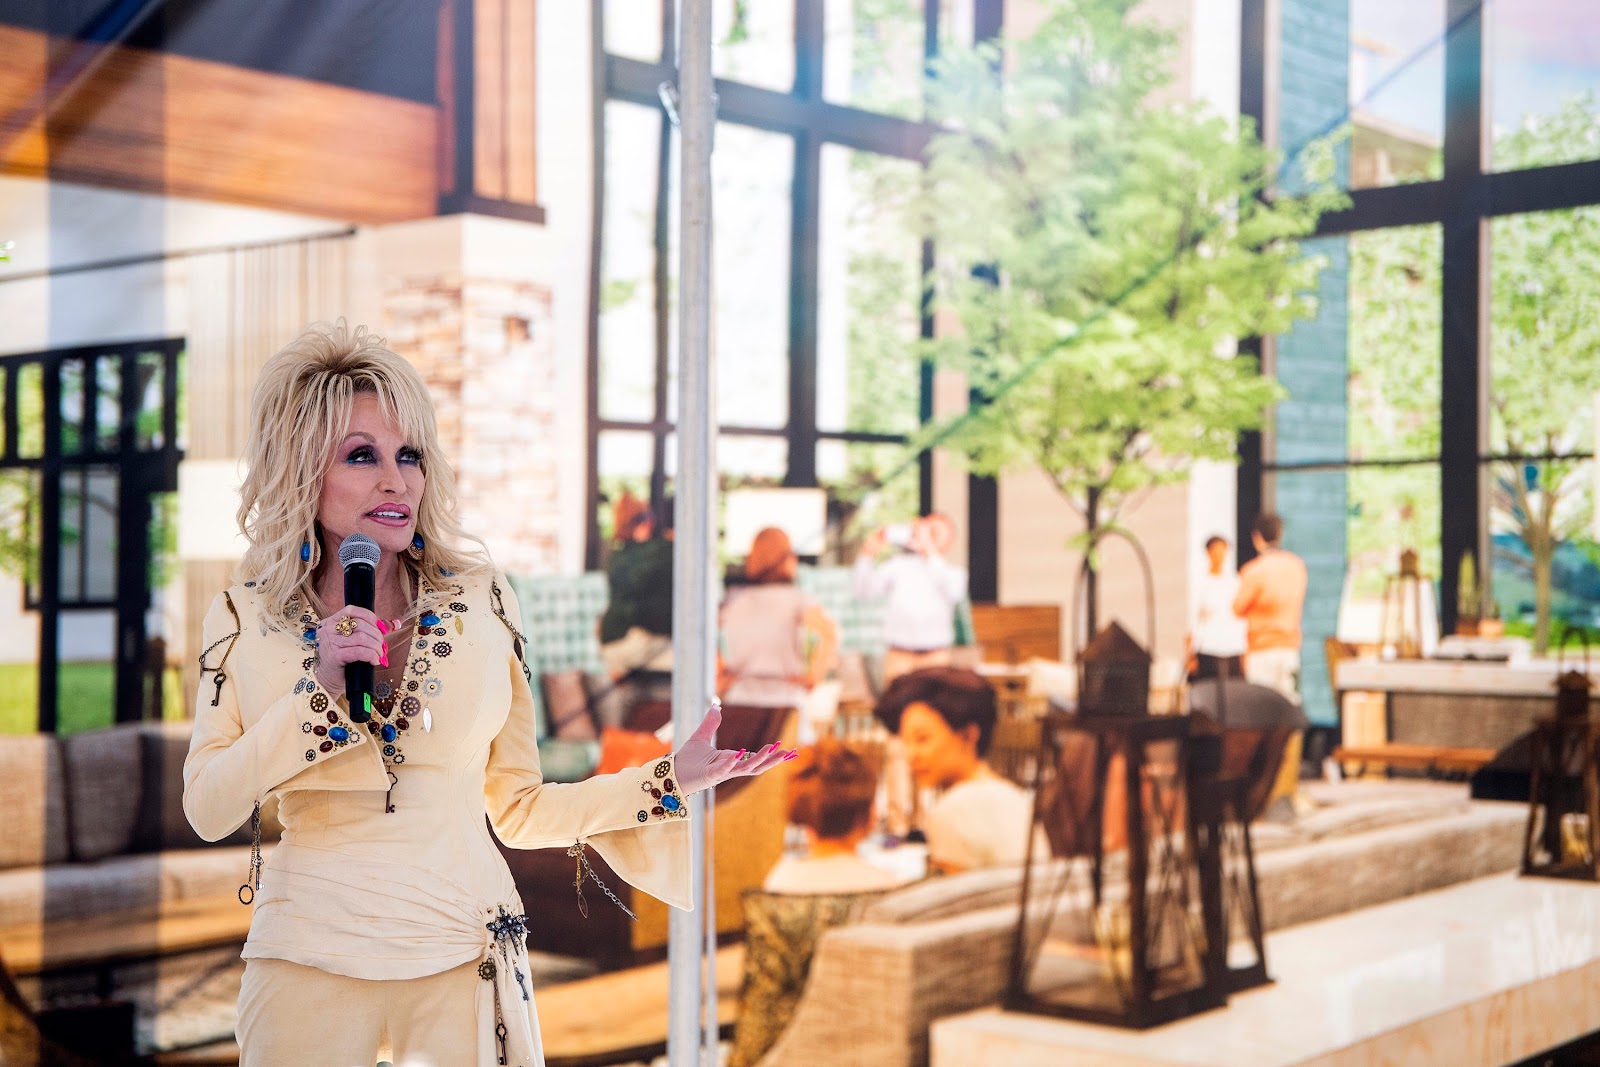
x,y
85,697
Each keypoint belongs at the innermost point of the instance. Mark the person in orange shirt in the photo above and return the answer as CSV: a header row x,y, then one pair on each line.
x,y
1271,598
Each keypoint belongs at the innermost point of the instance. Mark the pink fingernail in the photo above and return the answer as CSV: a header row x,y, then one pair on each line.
x,y
787,756
383,627
741,753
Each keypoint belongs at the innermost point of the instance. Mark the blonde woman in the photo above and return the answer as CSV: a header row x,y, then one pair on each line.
x,y
386,915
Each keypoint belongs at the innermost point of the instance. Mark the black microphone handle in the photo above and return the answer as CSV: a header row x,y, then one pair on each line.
x,y
358,593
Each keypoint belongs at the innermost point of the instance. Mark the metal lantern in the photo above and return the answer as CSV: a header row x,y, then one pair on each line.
x,y
1114,673
1133,937
1562,836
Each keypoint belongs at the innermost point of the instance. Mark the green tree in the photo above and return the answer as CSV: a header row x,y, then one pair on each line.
x,y
1127,242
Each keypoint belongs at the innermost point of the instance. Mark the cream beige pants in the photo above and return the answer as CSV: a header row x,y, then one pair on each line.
x,y
290,1014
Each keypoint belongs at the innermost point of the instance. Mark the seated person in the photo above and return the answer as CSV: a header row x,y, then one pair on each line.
x,y
830,797
944,717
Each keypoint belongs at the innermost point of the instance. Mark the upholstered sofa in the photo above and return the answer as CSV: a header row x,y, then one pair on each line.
x,y
943,946
93,824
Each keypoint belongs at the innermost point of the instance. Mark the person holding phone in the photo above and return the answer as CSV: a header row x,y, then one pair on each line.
x,y
921,588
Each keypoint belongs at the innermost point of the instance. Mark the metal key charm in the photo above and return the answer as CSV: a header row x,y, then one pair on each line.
x,y
500,1033
221,677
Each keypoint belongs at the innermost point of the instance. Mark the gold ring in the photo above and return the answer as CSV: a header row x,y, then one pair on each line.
x,y
345,626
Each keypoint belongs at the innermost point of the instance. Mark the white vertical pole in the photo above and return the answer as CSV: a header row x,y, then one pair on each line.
x,y
694,551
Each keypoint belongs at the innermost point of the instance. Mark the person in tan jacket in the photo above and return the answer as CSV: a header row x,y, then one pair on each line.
x,y
386,916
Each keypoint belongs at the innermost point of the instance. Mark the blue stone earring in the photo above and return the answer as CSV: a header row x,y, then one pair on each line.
x,y
305,551
417,542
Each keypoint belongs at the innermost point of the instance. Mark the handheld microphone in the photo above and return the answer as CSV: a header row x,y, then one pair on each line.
x,y
358,555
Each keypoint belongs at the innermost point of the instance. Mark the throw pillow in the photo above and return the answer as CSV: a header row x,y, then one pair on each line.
x,y
33,800
104,782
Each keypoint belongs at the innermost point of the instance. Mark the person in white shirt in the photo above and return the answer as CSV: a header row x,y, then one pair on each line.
x,y
1217,637
922,590
831,799
945,717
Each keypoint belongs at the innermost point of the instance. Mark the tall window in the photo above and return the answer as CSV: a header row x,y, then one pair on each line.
x,y
819,105
1444,399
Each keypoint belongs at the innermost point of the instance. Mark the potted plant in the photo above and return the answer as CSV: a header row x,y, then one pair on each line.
x,y
1467,595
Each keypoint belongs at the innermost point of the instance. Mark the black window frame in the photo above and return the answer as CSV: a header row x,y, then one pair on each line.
x,y
812,122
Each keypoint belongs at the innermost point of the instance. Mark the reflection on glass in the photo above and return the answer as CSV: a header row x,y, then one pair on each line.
x,y
86,674
868,318
753,42
752,172
1543,81
869,485
627,264
633,29
1395,321
108,402
30,411
873,55
1396,91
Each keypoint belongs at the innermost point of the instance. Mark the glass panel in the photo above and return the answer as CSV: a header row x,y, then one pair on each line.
x,y
86,674
873,55
183,399
21,506
19,657
72,409
753,42
868,318
1544,528
625,459
1394,354
955,21
70,583
1391,509
1544,390
3,372
101,507
752,171
633,28
150,433
108,402
627,264
750,461
1543,81
30,411
1396,92
869,485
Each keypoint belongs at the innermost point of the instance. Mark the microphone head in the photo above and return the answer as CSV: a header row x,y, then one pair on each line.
x,y
359,548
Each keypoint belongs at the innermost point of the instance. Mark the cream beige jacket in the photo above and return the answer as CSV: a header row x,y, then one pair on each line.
x,y
358,890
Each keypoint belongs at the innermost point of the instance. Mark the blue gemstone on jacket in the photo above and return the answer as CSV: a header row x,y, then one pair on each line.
x,y
670,802
388,732
310,634
430,619
339,733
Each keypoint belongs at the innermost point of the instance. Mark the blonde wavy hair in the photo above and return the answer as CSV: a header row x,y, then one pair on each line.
x,y
299,413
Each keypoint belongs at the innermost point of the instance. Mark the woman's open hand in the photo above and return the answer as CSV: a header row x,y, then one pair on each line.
x,y
701,765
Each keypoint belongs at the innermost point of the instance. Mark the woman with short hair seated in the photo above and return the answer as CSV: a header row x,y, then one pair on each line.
x,y
944,717
830,797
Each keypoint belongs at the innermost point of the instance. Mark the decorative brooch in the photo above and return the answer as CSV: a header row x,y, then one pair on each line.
x,y
664,791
